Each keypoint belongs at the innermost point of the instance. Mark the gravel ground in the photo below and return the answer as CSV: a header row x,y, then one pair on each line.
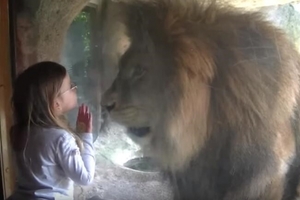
x,y
114,182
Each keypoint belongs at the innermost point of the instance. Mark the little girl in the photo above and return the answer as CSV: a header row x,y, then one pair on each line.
x,y
49,156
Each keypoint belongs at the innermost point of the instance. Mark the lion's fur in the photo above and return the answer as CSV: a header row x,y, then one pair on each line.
x,y
227,122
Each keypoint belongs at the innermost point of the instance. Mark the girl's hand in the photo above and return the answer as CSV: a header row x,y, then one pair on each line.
x,y
84,123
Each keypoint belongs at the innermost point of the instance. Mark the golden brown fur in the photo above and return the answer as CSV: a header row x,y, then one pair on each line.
x,y
213,94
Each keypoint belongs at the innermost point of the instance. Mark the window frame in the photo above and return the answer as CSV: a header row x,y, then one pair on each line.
x,y
7,171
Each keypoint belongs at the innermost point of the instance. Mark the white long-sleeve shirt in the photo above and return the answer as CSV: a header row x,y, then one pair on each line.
x,y
51,162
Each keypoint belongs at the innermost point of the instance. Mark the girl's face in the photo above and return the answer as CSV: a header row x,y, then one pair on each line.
x,y
67,98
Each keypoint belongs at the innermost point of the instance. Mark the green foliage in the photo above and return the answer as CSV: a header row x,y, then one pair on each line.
x,y
84,18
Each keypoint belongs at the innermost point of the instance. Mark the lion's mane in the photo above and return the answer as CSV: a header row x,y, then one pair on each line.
x,y
234,133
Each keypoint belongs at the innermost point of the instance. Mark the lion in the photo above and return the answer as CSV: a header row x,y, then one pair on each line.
x,y
212,93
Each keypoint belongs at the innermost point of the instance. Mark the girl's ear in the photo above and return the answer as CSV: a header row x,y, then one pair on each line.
x,y
57,106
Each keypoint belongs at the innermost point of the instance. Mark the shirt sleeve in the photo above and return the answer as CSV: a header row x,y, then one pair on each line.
x,y
80,167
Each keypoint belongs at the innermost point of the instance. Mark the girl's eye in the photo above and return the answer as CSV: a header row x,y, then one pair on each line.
x,y
139,71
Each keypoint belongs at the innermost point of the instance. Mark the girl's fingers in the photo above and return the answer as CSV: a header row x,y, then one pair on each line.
x,y
80,115
90,124
91,119
84,114
85,109
82,109
85,120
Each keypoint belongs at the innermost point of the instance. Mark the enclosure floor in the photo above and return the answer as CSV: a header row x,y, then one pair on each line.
x,y
113,182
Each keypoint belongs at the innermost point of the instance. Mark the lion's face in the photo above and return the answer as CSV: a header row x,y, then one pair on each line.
x,y
158,103
139,96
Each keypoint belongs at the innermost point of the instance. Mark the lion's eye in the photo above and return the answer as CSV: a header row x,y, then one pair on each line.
x,y
139,71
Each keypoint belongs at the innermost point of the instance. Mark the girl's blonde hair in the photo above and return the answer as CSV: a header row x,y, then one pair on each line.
x,y
35,90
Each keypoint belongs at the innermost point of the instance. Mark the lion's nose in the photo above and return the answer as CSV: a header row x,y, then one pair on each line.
x,y
110,107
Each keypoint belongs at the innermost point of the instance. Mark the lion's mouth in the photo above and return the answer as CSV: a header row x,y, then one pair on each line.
x,y
139,132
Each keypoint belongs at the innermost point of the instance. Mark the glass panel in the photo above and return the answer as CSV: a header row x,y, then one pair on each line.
x,y
87,39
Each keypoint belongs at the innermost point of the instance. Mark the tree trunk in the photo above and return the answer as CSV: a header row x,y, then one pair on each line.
x,y
41,29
